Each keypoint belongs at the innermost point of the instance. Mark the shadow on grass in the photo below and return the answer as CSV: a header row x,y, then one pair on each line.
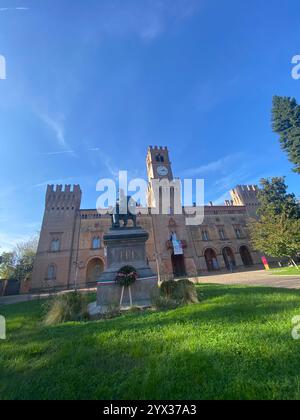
x,y
235,344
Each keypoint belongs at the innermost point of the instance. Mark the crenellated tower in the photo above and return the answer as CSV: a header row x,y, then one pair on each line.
x,y
246,195
159,169
56,244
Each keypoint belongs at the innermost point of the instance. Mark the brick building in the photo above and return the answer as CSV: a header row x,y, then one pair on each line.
x,y
71,249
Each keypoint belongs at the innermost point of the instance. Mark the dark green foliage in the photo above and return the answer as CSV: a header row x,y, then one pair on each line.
x,y
277,232
274,199
286,123
66,307
18,265
163,303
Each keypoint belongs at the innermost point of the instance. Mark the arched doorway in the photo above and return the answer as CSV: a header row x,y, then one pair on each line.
x,y
94,270
229,259
178,265
211,260
246,256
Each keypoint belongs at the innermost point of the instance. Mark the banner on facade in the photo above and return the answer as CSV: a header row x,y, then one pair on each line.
x,y
177,246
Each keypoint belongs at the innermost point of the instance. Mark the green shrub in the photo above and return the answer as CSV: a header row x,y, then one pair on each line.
x,y
66,307
167,288
183,292
163,303
186,293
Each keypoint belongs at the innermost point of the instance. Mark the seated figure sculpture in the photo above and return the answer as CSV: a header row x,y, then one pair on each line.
x,y
124,211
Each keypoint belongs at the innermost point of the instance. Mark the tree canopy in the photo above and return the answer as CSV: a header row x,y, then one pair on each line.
x,y
286,123
277,231
18,264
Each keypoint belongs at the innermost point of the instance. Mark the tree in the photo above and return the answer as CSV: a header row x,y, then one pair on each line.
x,y
286,123
277,231
18,264
274,199
276,235
7,265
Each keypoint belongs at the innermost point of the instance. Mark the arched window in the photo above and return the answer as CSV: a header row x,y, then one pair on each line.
x,y
51,272
96,243
55,245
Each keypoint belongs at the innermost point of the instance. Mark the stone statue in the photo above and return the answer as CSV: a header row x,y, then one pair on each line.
x,y
124,211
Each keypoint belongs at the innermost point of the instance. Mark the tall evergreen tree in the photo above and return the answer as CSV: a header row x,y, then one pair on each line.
x,y
286,123
274,199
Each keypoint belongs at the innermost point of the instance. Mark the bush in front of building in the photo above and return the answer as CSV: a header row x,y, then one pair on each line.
x,y
173,293
67,307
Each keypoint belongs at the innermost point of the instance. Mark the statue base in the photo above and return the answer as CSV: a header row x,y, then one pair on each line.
x,y
125,247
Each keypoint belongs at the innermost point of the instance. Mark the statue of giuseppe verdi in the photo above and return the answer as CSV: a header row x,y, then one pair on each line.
x,y
124,211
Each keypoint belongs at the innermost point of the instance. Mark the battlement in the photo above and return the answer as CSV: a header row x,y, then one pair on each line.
x,y
247,188
246,195
61,197
158,148
158,154
241,194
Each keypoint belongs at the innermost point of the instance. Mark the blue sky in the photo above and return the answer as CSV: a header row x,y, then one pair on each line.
x,y
90,84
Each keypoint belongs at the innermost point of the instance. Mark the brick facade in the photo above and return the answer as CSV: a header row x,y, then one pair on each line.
x,y
71,247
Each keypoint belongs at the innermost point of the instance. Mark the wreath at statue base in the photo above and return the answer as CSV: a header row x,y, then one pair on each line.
x,y
125,278
121,291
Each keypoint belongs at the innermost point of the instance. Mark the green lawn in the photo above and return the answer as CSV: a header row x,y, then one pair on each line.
x,y
286,271
236,344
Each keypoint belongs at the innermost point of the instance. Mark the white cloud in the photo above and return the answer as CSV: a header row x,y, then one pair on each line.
x,y
62,152
147,19
9,241
20,9
218,165
61,181
57,126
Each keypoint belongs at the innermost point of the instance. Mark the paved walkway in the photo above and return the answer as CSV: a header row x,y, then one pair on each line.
x,y
9,300
254,278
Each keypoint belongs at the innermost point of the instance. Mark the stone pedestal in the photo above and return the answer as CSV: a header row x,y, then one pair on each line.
x,y
126,246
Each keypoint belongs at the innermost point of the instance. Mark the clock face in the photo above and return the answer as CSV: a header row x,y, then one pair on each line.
x,y
162,171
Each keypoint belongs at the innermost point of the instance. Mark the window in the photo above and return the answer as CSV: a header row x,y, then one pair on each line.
x,y
205,236
159,158
51,272
96,243
238,233
55,245
222,234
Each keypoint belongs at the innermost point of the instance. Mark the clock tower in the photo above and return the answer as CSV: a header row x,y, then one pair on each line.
x,y
158,168
158,164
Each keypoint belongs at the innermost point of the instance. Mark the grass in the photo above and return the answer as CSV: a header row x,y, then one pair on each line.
x,y
236,344
286,271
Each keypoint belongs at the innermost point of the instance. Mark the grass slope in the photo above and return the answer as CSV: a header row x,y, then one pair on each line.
x,y
235,345
287,271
